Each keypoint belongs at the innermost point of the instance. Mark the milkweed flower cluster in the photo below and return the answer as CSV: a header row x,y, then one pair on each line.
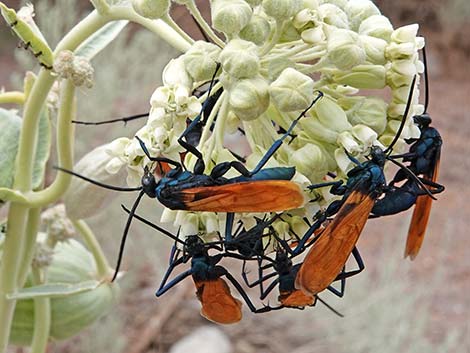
x,y
275,56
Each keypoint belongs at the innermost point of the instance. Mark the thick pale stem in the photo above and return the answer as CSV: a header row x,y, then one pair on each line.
x,y
92,244
158,27
64,149
9,267
29,245
101,6
13,97
42,316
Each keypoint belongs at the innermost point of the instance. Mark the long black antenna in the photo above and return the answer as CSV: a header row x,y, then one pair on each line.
x,y
405,115
106,186
413,176
125,233
426,81
329,306
124,120
154,226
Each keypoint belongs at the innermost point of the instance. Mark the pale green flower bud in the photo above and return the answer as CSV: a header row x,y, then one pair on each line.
x,y
401,73
377,26
398,51
240,59
230,16
175,74
365,135
330,114
282,10
363,76
313,35
348,142
200,60
370,111
83,72
405,34
249,98
257,30
310,161
168,216
152,9
334,16
375,49
292,91
360,10
345,50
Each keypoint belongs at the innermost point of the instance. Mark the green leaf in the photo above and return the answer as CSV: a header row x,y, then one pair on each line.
x,y
100,39
10,125
30,35
54,290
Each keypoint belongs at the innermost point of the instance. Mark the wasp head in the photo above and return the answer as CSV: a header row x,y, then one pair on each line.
x,y
377,155
149,184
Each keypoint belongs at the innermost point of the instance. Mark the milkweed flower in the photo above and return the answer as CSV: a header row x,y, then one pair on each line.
x,y
275,57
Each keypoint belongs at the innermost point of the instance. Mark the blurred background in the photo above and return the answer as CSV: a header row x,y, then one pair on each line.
x,y
395,305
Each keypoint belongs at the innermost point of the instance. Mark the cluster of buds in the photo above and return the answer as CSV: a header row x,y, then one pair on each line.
x,y
276,55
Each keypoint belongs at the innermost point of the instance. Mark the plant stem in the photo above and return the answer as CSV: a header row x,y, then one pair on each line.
x,y
92,244
42,315
29,245
13,97
101,6
9,267
65,139
158,27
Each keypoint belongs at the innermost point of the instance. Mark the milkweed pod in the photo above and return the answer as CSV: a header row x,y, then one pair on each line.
x,y
240,59
200,60
152,9
84,199
230,16
292,91
249,98
72,267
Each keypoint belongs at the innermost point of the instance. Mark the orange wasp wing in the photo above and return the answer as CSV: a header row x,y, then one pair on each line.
x,y
420,217
328,255
251,196
296,299
218,304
